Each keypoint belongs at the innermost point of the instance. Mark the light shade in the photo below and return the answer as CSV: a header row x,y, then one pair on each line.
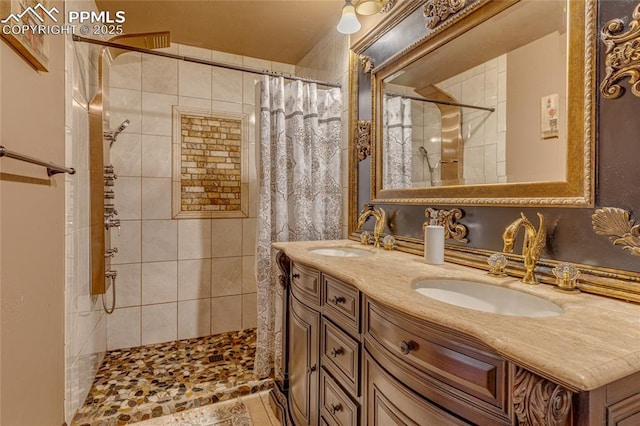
x,y
369,7
349,22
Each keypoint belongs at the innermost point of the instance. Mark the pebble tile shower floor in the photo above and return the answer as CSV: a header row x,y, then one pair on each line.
x,y
150,381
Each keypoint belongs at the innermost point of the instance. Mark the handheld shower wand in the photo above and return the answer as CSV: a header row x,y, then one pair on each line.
x,y
112,135
423,151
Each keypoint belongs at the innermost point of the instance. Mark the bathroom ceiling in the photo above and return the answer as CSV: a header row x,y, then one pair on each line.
x,y
282,31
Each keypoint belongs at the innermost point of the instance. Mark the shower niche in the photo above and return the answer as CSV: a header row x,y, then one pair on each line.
x,y
210,164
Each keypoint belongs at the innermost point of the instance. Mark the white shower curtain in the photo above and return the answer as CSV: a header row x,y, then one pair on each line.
x,y
300,190
397,143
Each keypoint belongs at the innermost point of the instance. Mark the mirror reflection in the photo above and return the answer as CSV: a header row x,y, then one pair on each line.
x,y
489,108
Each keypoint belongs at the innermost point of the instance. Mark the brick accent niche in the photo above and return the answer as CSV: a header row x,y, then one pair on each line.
x,y
210,153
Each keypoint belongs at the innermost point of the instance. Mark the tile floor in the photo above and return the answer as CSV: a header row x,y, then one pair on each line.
x,y
150,381
250,410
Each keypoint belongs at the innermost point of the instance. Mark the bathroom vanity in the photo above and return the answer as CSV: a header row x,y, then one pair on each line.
x,y
362,347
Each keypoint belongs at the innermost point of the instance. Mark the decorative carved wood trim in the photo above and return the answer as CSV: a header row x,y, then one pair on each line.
x,y
284,264
279,398
363,139
366,63
623,56
388,6
537,401
353,148
447,219
615,223
437,11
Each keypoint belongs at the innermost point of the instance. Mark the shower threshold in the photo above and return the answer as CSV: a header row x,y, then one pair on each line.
x,y
150,381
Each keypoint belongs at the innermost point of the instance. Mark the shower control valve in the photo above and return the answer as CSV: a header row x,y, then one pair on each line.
x,y
110,210
110,176
111,252
110,222
108,169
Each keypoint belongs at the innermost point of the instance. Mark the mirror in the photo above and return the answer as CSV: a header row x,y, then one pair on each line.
x,y
495,108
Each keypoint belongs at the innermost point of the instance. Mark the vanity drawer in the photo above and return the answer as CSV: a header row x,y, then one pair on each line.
x,y
340,355
442,362
336,408
342,304
305,284
388,402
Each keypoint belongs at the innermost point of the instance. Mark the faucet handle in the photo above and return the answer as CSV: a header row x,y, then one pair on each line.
x,y
365,238
497,263
388,242
567,277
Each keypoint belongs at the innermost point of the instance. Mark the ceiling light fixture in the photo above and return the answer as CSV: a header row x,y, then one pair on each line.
x,y
349,23
369,7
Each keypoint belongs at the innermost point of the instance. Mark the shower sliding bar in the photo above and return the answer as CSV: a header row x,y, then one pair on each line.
x,y
52,169
202,61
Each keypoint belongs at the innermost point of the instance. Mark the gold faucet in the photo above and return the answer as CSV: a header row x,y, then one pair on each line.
x,y
534,242
378,228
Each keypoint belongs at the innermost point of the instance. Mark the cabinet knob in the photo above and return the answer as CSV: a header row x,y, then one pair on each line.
x,y
336,351
296,275
336,300
334,408
407,346
311,369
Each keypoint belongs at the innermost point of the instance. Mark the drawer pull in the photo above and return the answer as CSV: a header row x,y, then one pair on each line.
x,y
334,408
406,347
336,351
311,369
296,275
336,300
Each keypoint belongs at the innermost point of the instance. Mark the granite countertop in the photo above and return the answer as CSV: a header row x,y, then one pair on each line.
x,y
594,342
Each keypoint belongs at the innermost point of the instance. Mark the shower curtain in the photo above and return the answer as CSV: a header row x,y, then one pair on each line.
x,y
397,143
300,190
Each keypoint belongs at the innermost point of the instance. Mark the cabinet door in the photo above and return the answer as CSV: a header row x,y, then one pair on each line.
x,y
304,339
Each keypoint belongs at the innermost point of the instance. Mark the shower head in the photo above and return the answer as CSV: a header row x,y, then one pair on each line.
x,y
423,151
112,135
123,126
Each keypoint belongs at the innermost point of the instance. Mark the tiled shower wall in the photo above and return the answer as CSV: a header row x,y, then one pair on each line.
x,y
483,132
329,61
177,278
85,320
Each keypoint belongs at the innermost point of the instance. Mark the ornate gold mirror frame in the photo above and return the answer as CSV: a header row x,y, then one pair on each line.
x,y
577,190
608,222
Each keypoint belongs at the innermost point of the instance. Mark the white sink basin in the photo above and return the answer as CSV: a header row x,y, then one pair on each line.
x,y
487,298
341,251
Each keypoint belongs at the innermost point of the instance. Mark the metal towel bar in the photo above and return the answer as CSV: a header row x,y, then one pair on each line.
x,y
52,169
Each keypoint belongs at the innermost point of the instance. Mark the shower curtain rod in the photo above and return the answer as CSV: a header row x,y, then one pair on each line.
x,y
435,101
202,61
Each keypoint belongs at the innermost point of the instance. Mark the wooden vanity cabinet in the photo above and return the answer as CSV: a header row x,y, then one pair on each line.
x,y
352,361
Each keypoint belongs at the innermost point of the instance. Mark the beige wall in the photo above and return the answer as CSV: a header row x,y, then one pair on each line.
x,y
530,77
32,241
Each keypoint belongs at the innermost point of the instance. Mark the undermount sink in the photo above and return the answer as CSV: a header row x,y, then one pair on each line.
x,y
341,251
487,298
